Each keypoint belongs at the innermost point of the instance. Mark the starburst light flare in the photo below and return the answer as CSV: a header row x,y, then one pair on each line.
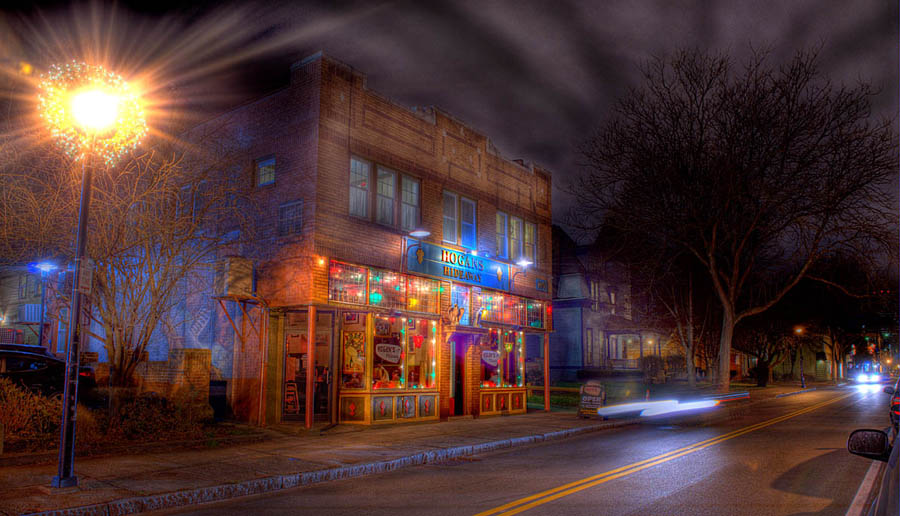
x,y
89,109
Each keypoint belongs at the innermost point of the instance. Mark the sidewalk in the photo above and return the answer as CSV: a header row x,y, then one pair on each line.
x,y
125,484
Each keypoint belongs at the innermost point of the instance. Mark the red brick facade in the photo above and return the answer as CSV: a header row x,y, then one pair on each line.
x,y
312,128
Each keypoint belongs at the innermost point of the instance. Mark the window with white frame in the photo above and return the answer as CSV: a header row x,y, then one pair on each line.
x,y
396,197
467,234
359,187
265,171
450,217
502,236
515,239
387,185
530,243
459,220
409,204
290,218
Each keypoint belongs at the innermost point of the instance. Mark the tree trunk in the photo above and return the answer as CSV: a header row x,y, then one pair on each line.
x,y
689,349
724,379
689,365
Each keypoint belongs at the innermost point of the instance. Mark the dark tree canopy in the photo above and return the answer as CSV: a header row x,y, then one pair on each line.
x,y
758,172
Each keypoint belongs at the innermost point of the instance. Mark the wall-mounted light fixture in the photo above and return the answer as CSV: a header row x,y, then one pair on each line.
x,y
418,234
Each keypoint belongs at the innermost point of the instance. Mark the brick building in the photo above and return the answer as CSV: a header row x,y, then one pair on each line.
x,y
398,239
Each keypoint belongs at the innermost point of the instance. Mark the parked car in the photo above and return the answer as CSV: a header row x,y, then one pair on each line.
x,y
40,371
894,407
876,444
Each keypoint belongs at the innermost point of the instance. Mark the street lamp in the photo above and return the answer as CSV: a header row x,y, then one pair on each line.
x,y
418,234
523,264
91,113
45,268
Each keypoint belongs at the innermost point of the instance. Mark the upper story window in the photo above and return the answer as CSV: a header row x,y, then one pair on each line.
x,y
387,186
467,236
409,204
393,194
359,187
459,220
290,218
265,171
515,239
530,244
502,236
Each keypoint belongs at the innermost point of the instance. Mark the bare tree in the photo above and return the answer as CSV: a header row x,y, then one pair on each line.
x,y
756,172
158,221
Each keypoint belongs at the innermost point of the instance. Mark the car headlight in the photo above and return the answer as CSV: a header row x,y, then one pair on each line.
x,y
874,378
862,378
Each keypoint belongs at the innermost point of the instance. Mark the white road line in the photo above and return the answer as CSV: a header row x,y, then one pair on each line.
x,y
865,488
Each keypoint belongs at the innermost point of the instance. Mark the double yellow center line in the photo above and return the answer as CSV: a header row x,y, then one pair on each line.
x,y
529,502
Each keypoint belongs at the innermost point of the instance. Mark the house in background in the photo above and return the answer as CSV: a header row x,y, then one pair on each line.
x,y
20,308
596,331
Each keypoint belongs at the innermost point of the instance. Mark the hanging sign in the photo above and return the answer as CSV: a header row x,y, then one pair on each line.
x,y
453,265
490,357
388,352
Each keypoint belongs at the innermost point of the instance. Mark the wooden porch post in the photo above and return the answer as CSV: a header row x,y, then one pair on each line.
x,y
310,363
546,372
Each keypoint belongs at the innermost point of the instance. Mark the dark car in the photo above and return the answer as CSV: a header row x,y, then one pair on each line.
x,y
876,444
40,371
895,404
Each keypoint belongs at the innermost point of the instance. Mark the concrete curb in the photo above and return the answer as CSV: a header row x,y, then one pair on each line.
x,y
275,483
794,392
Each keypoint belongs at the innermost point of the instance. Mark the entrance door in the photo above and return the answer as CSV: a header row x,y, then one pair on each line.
x,y
296,347
458,366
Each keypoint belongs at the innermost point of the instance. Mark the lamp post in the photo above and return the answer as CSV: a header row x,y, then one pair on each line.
x,y
91,113
44,268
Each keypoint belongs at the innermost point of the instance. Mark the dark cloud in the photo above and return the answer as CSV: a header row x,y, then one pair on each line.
x,y
535,77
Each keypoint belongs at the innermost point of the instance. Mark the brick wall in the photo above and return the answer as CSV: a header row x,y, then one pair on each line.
x,y
183,377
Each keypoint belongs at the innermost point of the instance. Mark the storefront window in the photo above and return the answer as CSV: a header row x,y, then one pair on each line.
x,y
387,363
490,359
347,283
534,313
511,358
492,307
353,350
513,310
421,337
459,300
424,295
387,289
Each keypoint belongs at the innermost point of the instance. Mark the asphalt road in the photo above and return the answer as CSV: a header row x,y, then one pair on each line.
x,y
787,456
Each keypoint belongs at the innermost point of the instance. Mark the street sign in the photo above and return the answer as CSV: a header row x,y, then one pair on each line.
x,y
85,277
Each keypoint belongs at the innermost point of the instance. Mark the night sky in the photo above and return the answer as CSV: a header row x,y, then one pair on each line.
x,y
535,77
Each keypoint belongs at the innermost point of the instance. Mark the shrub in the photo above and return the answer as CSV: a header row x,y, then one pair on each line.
x,y
28,415
31,420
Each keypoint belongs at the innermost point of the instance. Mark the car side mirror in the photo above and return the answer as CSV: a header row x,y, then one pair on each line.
x,y
871,444
888,390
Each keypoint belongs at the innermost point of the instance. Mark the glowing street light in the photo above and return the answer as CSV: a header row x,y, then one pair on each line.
x,y
91,113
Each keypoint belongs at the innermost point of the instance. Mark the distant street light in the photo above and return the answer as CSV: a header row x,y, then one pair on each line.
x,y
92,113
45,268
